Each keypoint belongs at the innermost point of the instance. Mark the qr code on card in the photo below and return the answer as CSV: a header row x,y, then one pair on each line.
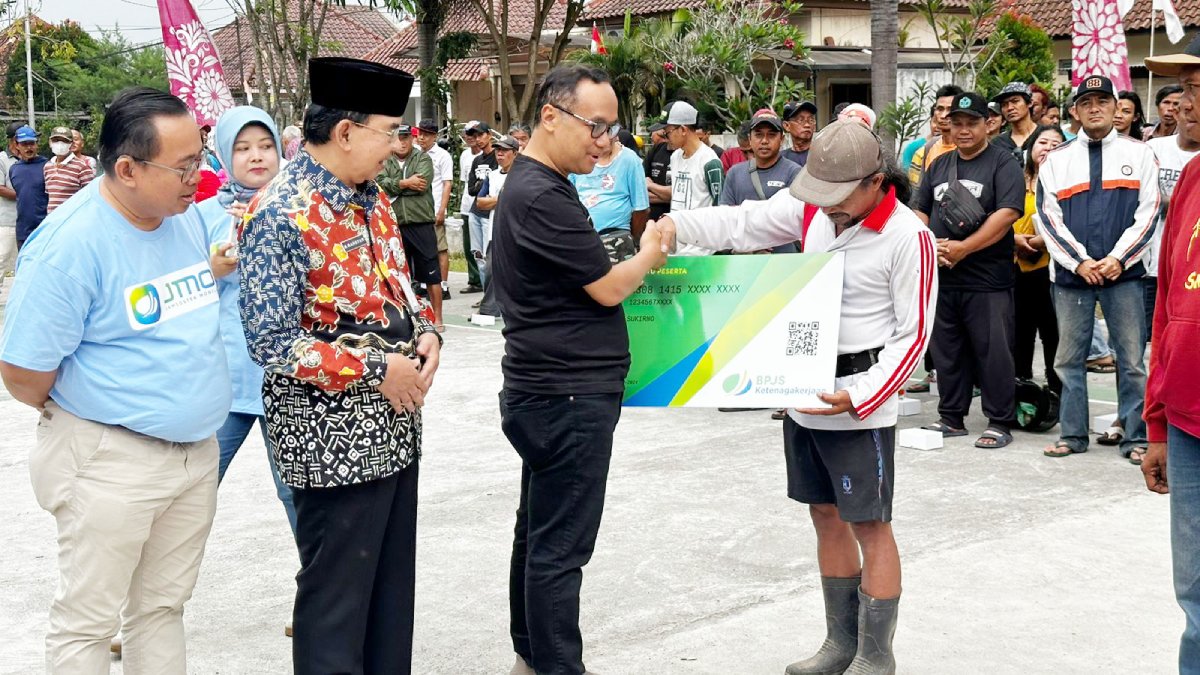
x,y
802,338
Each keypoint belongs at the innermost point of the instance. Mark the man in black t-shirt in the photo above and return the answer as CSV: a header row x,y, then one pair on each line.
x,y
566,355
481,168
973,328
658,165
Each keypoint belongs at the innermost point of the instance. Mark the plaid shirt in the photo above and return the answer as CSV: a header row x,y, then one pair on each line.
x,y
325,295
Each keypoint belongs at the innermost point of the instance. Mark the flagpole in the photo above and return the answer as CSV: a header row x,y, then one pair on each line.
x,y
1150,76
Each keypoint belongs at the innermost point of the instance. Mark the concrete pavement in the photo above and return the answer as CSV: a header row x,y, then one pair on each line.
x,y
1013,562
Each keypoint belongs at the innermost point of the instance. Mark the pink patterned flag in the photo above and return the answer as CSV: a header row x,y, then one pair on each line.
x,y
1098,43
193,68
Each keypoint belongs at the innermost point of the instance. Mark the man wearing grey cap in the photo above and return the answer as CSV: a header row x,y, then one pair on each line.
x,y
847,199
1015,103
696,174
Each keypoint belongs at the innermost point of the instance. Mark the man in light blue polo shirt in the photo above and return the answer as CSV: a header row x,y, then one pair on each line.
x,y
112,332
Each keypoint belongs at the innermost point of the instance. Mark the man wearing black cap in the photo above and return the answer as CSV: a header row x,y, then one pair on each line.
x,y
1015,101
349,353
800,121
443,183
970,198
481,135
766,172
1097,200
658,166
8,206
1172,398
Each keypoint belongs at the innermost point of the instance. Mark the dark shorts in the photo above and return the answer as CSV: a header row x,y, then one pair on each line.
x,y
852,469
421,247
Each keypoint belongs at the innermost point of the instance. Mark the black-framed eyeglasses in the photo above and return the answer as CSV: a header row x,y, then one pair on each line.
x,y
186,175
599,129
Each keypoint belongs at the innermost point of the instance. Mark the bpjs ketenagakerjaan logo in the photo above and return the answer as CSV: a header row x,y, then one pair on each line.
x,y
150,303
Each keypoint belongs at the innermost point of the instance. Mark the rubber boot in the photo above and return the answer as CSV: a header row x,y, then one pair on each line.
x,y
841,626
876,627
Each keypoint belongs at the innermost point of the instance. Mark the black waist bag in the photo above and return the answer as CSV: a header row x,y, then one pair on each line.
x,y
958,209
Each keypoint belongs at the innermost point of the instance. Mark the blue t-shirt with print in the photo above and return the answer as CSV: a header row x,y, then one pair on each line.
x,y
612,193
128,318
246,375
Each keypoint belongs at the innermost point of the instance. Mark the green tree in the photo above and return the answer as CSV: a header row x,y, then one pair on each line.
x,y
966,46
1030,58
630,66
75,72
730,56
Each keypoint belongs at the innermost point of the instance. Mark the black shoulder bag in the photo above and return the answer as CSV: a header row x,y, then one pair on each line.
x,y
959,210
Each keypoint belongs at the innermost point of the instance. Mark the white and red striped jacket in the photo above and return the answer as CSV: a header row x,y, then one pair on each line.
x,y
889,291
65,178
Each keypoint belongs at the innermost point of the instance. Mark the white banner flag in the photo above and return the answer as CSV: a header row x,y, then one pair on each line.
x,y
1174,25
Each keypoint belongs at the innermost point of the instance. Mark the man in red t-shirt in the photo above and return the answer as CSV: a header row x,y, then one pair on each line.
x,y
1172,410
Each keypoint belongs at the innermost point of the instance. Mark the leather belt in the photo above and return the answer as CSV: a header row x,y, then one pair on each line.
x,y
860,362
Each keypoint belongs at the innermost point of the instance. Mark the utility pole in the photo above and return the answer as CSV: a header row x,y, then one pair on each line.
x,y
28,65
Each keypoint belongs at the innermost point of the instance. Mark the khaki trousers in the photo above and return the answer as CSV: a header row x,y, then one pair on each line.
x,y
133,514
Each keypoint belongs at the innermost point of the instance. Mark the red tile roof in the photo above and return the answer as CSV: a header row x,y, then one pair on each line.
x,y
1055,15
607,9
348,31
398,50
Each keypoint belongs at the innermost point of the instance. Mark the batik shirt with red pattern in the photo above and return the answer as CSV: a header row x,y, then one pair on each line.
x,y
325,296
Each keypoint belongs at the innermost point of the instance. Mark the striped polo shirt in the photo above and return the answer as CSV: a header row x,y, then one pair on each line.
x,y
65,178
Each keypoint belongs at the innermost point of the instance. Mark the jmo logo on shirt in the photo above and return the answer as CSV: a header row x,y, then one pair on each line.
x,y
152,302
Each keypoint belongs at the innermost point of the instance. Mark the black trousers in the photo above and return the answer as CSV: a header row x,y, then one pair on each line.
x,y
973,343
1035,315
354,592
565,444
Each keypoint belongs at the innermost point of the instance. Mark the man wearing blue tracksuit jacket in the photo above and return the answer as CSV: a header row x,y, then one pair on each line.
x,y
1097,198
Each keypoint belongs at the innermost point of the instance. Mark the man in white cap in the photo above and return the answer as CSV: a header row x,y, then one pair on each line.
x,y
840,459
696,173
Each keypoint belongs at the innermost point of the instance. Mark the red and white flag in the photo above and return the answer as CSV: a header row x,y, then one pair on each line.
x,y
1174,25
597,41
1098,42
193,68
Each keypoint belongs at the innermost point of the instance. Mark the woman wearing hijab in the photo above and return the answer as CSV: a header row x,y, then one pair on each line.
x,y
248,145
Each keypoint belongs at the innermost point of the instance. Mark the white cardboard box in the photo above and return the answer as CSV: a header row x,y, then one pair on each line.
x,y
920,439
1101,423
909,406
483,320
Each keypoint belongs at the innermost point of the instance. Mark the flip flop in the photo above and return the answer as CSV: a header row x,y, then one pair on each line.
x,y
1000,439
1137,455
921,387
1062,449
1112,436
946,430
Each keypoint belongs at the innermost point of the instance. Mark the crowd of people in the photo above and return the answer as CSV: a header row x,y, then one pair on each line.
x,y
303,274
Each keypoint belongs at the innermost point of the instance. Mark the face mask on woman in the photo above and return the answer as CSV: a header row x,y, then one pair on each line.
x,y
60,148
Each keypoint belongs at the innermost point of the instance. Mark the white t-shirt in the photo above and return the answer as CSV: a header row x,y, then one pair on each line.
x,y
495,185
1171,159
696,183
465,201
8,207
443,170
696,180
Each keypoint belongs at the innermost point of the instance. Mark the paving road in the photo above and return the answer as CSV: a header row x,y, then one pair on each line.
x,y
1013,563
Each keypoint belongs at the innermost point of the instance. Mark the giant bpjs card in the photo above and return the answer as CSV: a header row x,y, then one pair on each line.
x,y
735,331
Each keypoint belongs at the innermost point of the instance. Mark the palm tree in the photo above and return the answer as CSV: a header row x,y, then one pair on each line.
x,y
629,67
885,39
